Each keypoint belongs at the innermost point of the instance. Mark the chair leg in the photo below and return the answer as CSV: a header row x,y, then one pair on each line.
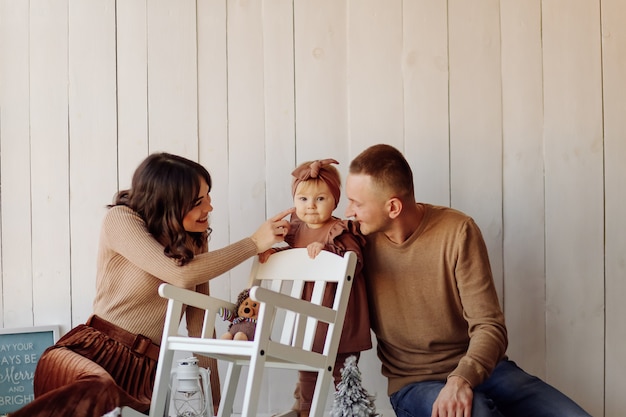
x,y
324,378
229,390
162,383
253,386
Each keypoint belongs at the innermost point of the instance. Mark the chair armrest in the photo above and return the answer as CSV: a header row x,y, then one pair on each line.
x,y
192,298
297,305
210,305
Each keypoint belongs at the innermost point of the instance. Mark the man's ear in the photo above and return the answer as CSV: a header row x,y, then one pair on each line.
x,y
394,207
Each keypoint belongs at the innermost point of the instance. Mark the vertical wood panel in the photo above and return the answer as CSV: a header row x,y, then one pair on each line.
x,y
278,73
16,303
213,123
321,67
246,124
375,109
213,130
375,88
93,139
476,120
320,80
614,65
574,198
425,72
132,87
278,52
50,163
172,77
523,199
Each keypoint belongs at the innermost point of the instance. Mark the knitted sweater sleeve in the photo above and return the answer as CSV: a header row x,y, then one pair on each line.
x,y
345,236
481,310
125,232
195,316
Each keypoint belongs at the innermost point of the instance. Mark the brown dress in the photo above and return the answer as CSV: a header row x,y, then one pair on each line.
x,y
91,371
338,236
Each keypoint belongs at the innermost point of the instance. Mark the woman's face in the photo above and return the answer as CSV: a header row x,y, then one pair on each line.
x,y
197,219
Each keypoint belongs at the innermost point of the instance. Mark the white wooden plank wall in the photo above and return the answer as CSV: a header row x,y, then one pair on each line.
x,y
425,78
49,163
574,194
614,92
15,177
522,177
514,112
475,119
92,137
132,88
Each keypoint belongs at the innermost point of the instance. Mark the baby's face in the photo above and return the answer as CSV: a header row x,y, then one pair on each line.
x,y
248,308
314,203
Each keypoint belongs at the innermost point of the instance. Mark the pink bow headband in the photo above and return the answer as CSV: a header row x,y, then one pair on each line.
x,y
318,170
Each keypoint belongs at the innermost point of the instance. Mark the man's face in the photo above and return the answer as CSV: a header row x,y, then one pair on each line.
x,y
366,204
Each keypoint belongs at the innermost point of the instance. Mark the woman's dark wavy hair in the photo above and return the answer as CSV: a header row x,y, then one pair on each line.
x,y
164,189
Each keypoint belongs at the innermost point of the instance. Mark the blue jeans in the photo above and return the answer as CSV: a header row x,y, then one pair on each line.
x,y
508,392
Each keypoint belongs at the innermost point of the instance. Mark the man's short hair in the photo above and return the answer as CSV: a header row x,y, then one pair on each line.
x,y
388,168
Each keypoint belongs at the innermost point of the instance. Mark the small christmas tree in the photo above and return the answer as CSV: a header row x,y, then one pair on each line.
x,y
351,399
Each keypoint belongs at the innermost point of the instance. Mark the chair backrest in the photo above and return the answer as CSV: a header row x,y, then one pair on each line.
x,y
289,272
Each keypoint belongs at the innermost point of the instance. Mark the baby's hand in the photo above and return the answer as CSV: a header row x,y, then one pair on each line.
x,y
264,256
314,249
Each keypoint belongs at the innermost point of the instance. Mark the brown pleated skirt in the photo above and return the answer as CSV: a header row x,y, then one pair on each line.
x,y
88,373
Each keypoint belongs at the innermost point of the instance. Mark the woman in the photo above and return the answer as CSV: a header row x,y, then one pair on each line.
x,y
155,232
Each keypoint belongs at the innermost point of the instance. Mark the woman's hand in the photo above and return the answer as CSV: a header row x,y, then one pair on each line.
x,y
272,231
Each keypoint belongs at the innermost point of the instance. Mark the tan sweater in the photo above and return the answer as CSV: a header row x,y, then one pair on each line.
x,y
433,304
132,265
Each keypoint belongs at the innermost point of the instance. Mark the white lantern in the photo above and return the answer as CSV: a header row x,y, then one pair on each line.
x,y
190,390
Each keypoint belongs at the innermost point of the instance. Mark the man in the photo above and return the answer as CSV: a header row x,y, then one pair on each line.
x,y
433,305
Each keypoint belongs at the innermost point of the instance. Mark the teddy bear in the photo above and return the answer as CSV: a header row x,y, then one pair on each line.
x,y
243,318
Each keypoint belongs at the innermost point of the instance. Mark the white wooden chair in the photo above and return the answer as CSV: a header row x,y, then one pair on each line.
x,y
277,285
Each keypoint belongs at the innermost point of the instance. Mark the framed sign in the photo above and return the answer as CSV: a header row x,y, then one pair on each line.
x,y
20,350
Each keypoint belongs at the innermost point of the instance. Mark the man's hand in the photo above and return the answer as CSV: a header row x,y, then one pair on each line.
x,y
454,399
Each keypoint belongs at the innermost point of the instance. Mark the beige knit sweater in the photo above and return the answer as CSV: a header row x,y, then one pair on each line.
x,y
433,304
132,265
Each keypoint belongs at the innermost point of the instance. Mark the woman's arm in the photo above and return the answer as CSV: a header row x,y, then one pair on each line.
x,y
125,232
